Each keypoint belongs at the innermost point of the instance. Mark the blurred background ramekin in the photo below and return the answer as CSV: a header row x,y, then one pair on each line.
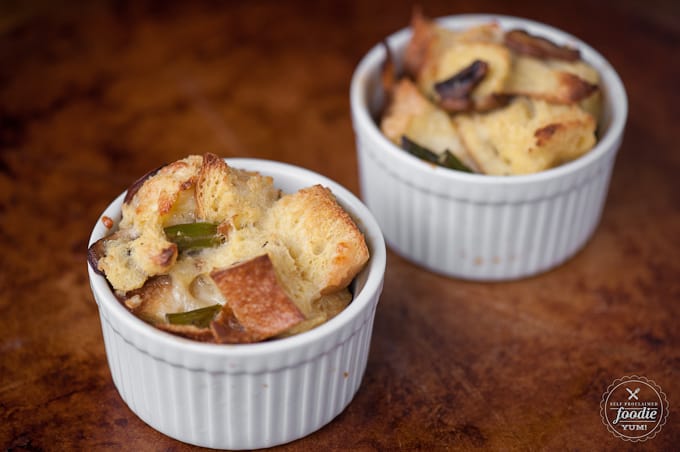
x,y
245,396
476,226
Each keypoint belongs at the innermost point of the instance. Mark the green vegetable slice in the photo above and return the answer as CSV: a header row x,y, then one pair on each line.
x,y
451,161
193,235
445,159
200,318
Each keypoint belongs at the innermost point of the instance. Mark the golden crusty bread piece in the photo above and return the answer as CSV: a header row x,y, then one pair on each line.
x,y
553,72
144,251
406,103
459,55
429,41
411,114
192,189
235,196
552,80
435,54
591,103
526,136
153,202
322,238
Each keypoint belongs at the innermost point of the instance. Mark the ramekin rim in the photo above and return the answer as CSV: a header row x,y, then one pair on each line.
x,y
371,289
604,145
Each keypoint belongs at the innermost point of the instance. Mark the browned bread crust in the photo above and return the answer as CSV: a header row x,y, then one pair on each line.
x,y
256,298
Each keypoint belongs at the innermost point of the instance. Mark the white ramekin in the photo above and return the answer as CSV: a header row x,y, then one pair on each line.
x,y
475,226
249,395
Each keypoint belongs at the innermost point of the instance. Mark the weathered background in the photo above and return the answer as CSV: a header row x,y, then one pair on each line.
x,y
94,94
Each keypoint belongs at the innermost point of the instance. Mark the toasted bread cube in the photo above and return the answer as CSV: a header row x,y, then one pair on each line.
x,y
144,251
527,136
558,82
154,200
225,194
430,40
411,114
256,298
461,55
322,238
591,103
407,102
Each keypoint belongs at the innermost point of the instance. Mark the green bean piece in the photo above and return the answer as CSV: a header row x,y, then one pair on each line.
x,y
419,151
193,235
452,162
200,318
445,159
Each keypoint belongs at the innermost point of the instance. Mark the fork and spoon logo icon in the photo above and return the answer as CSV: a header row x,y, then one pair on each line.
x,y
633,394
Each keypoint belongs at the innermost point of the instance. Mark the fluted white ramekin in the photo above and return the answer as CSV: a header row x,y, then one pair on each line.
x,y
245,396
475,226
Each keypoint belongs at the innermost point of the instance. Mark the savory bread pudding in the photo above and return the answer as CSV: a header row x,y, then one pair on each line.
x,y
218,254
490,101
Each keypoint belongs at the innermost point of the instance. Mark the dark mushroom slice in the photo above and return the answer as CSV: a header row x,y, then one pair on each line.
x,y
388,76
454,92
527,44
136,185
97,250
150,302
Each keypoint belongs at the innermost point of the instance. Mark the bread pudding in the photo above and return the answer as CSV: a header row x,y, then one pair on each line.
x,y
219,254
490,101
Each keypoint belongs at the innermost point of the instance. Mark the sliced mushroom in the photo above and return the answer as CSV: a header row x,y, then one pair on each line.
x,y
522,42
454,92
388,75
96,252
98,249
151,301
136,185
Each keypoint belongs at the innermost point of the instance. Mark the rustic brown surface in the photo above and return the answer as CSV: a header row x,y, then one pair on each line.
x,y
93,95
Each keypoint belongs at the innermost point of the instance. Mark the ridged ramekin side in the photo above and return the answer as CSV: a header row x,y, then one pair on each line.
x,y
480,231
238,410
